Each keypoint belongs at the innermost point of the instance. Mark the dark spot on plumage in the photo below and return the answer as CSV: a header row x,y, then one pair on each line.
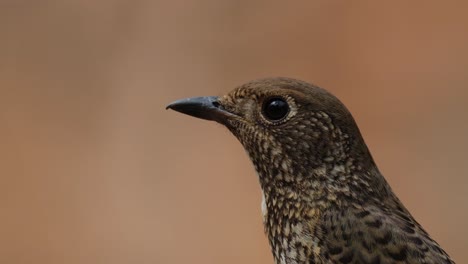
x,y
436,247
365,244
347,257
346,236
312,260
400,255
404,216
375,223
408,228
384,239
424,248
362,214
360,234
334,250
366,258
416,240
375,260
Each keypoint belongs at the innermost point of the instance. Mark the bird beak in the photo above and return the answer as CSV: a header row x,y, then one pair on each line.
x,y
201,107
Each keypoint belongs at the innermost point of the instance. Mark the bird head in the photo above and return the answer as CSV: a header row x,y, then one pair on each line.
x,y
297,135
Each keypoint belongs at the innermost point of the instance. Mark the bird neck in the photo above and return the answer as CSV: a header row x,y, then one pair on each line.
x,y
330,184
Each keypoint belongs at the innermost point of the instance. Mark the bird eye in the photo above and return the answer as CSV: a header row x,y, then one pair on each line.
x,y
275,109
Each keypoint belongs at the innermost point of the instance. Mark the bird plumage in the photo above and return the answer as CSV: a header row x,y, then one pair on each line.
x,y
325,200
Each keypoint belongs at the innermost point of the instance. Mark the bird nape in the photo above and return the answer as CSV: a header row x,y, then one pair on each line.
x,y
325,200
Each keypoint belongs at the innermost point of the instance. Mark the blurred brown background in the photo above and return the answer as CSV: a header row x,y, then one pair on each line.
x,y
94,170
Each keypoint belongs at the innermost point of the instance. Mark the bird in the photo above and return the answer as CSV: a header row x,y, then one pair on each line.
x,y
323,198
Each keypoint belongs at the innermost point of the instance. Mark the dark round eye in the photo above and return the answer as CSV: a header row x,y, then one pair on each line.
x,y
275,109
